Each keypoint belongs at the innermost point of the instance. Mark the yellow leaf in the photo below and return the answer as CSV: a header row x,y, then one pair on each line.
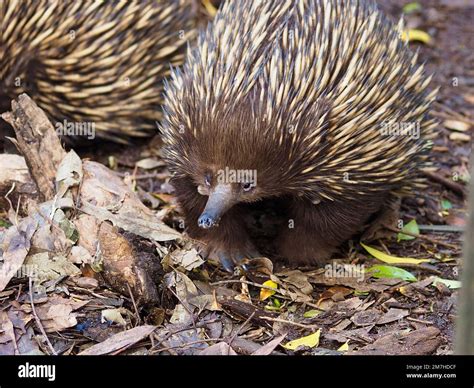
x,y
344,347
266,293
393,259
310,341
412,35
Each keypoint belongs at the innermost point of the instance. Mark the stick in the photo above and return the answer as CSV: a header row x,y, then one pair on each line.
x,y
432,240
302,325
134,305
38,320
455,187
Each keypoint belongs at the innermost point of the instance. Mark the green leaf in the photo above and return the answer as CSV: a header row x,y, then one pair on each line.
x,y
411,227
393,259
311,313
390,272
310,341
452,284
446,205
4,224
411,7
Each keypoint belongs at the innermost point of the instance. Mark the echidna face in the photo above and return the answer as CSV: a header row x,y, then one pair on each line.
x,y
225,188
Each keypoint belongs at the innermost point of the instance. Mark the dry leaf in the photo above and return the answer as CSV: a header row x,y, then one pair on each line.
x,y
16,245
57,313
219,349
188,259
269,347
392,315
113,315
119,341
149,163
46,268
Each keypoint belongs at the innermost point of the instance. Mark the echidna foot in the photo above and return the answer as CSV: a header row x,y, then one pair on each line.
x,y
230,258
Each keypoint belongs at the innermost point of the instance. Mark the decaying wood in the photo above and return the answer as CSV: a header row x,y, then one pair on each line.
x,y
37,140
242,310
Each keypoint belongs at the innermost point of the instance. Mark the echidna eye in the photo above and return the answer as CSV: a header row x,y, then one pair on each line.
x,y
248,186
207,180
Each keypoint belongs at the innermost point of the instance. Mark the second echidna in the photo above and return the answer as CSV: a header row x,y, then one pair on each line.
x,y
315,104
93,61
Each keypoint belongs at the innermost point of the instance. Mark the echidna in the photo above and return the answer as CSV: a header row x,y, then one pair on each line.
x,y
99,62
315,103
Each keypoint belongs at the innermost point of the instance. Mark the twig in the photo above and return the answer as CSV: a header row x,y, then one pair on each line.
x,y
38,320
455,187
134,305
384,247
419,321
430,239
199,325
442,228
310,327
189,344
190,312
143,176
244,282
237,332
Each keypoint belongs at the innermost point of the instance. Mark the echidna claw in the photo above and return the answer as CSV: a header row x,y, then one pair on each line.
x,y
227,262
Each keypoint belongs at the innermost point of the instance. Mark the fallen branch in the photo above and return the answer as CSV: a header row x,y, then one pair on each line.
x,y
38,320
453,186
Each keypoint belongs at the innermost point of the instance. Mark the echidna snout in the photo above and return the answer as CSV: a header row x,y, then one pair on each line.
x,y
221,198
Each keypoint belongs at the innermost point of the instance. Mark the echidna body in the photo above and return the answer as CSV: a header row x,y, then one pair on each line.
x,y
302,93
93,61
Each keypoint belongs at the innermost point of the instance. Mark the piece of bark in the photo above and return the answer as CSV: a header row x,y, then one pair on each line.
x,y
38,142
238,309
125,265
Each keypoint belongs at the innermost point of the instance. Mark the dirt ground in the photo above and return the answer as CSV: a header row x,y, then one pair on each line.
x,y
202,309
